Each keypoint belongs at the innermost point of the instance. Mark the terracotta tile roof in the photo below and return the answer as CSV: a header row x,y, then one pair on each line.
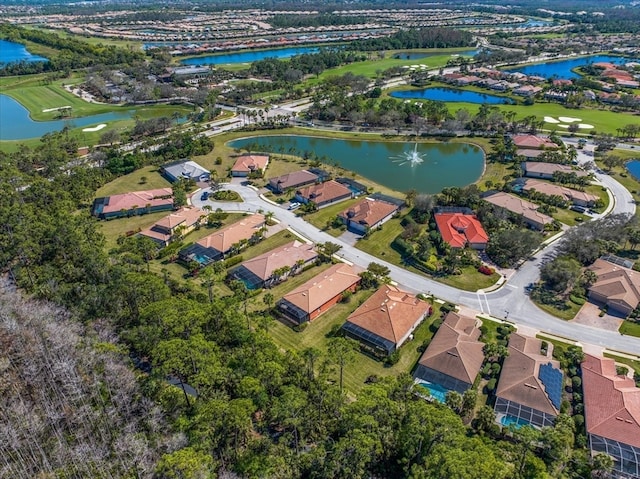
x,y
458,229
568,194
140,199
390,313
533,142
455,349
324,287
518,206
540,167
369,211
164,228
528,153
616,283
292,180
324,192
519,381
223,239
249,163
611,402
264,265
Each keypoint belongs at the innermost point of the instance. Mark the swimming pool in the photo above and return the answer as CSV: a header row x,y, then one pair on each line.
x,y
508,420
436,391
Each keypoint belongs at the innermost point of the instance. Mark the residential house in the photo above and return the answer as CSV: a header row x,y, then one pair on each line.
x,y
533,142
219,244
386,320
319,294
248,163
367,214
180,222
324,194
527,90
296,179
617,287
530,386
454,356
185,169
576,197
540,169
134,203
273,266
460,230
521,207
529,155
612,415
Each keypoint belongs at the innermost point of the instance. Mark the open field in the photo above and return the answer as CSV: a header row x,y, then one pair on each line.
x,y
129,44
133,182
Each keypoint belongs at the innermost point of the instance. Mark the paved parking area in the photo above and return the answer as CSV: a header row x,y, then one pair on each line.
x,y
589,316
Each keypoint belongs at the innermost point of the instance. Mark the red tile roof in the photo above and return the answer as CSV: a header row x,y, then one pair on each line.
x,y
324,192
264,265
249,163
533,142
611,402
616,283
369,212
458,229
139,199
225,238
390,313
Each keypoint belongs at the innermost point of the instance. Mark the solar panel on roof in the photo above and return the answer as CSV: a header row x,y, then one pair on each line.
x,y
552,379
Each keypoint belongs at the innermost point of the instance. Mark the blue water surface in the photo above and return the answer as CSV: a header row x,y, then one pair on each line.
x,y
11,52
16,124
634,168
450,95
562,68
436,391
249,56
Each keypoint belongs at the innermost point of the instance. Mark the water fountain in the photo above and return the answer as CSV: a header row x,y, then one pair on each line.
x,y
412,157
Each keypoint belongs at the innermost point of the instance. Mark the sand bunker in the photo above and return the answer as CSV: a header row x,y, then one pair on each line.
x,y
563,126
46,110
550,119
568,119
586,126
95,128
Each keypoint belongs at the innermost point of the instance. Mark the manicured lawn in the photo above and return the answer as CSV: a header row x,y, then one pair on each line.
x,y
378,243
630,328
113,229
319,218
491,334
316,336
267,244
566,314
132,182
470,279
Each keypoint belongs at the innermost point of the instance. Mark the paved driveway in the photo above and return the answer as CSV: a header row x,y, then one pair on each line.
x,y
589,315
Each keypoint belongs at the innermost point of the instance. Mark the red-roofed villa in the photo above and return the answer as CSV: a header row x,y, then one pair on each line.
x,y
460,230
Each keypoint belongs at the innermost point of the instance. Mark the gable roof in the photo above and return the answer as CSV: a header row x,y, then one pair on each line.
x,y
389,313
293,179
455,349
185,169
162,230
616,283
139,199
225,238
458,229
611,402
323,192
248,163
533,141
568,194
323,287
369,211
519,206
520,377
288,254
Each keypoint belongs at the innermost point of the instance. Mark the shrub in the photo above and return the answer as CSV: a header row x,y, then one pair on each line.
x,y
577,300
576,382
578,420
491,385
484,269
393,358
300,327
234,260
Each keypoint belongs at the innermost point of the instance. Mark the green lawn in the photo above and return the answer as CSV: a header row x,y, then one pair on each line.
x,y
470,279
132,182
113,229
378,243
633,364
630,328
316,335
567,314
320,218
267,244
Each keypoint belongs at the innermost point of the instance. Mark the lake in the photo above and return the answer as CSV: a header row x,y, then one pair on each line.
x,y
562,68
450,95
11,52
249,56
18,125
419,55
634,168
444,164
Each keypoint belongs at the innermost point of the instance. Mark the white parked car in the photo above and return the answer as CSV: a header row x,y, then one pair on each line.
x,y
294,205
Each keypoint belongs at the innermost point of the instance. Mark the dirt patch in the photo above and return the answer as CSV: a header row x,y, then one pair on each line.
x,y
589,315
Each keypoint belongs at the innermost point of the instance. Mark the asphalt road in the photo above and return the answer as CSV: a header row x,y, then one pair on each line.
x,y
509,302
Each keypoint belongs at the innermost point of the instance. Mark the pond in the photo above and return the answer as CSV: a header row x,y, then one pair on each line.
x,y
249,56
634,168
450,95
418,55
11,52
562,68
384,162
18,125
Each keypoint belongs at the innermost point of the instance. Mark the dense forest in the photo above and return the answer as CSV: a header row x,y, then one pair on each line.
x,y
437,37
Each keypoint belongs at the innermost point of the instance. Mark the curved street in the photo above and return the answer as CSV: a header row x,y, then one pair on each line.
x,y
509,302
